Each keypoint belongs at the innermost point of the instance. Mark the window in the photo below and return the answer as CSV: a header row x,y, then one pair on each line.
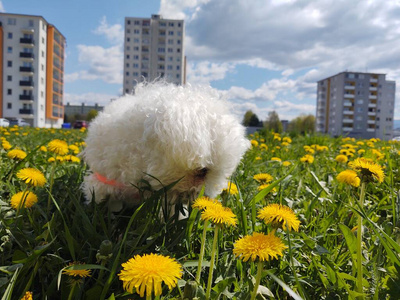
x,y
170,33
42,53
42,67
179,24
178,67
163,24
127,73
135,74
42,95
136,57
170,41
9,105
128,22
127,56
136,31
177,75
30,23
9,63
42,40
179,33
9,49
360,101
9,78
11,21
135,65
9,91
178,42
136,40
171,24
178,50
169,67
128,39
170,58
136,22
161,50
128,48
128,31
170,50
10,35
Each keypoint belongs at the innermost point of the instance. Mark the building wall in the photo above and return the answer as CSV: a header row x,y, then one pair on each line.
x,y
153,49
355,104
25,69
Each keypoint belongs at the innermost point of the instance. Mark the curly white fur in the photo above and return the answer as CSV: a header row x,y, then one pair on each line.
x,y
167,131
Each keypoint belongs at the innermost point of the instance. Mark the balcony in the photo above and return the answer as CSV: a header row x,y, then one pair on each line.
x,y
348,112
26,42
373,79
371,129
372,113
348,95
27,30
26,56
349,87
372,97
27,83
347,104
371,105
26,69
26,111
347,121
371,122
347,128
26,97
373,88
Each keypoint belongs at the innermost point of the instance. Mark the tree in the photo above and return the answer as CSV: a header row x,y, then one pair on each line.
x,y
91,115
273,122
302,124
250,119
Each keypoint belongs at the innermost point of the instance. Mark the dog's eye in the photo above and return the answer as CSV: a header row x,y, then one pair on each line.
x,y
201,173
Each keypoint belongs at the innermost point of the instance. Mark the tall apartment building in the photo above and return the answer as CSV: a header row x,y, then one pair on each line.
x,y
153,48
31,70
355,104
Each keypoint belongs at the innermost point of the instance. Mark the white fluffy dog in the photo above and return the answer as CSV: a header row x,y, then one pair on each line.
x,y
170,132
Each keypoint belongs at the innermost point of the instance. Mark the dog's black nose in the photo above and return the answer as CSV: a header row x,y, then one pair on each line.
x,y
201,173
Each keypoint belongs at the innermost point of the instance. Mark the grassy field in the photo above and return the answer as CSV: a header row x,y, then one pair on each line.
x,y
334,238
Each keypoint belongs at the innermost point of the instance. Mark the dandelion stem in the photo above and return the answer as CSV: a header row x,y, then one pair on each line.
x,y
258,279
51,187
201,255
210,273
72,291
359,244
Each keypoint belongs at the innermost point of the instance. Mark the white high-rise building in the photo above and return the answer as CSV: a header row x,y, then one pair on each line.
x,y
32,70
153,48
355,104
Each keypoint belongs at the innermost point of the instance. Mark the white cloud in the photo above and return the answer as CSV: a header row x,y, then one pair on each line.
x,y
2,7
205,71
102,64
113,33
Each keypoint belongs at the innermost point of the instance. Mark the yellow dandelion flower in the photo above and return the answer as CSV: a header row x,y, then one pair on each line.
x,y
285,144
341,158
219,215
349,177
264,186
287,139
263,177
258,246
258,158
368,170
59,158
58,147
146,273
307,159
28,296
279,216
254,143
232,189
203,202
51,159
32,176
16,154
23,199
263,146
72,158
6,145
361,151
82,272
276,159
286,163
43,149
74,149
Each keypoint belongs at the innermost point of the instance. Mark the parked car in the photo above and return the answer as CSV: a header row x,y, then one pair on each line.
x,y
80,123
19,122
4,122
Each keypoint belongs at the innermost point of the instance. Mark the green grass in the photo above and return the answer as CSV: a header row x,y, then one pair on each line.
x,y
38,243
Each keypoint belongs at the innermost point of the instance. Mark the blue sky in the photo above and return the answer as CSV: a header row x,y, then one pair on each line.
x,y
262,55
